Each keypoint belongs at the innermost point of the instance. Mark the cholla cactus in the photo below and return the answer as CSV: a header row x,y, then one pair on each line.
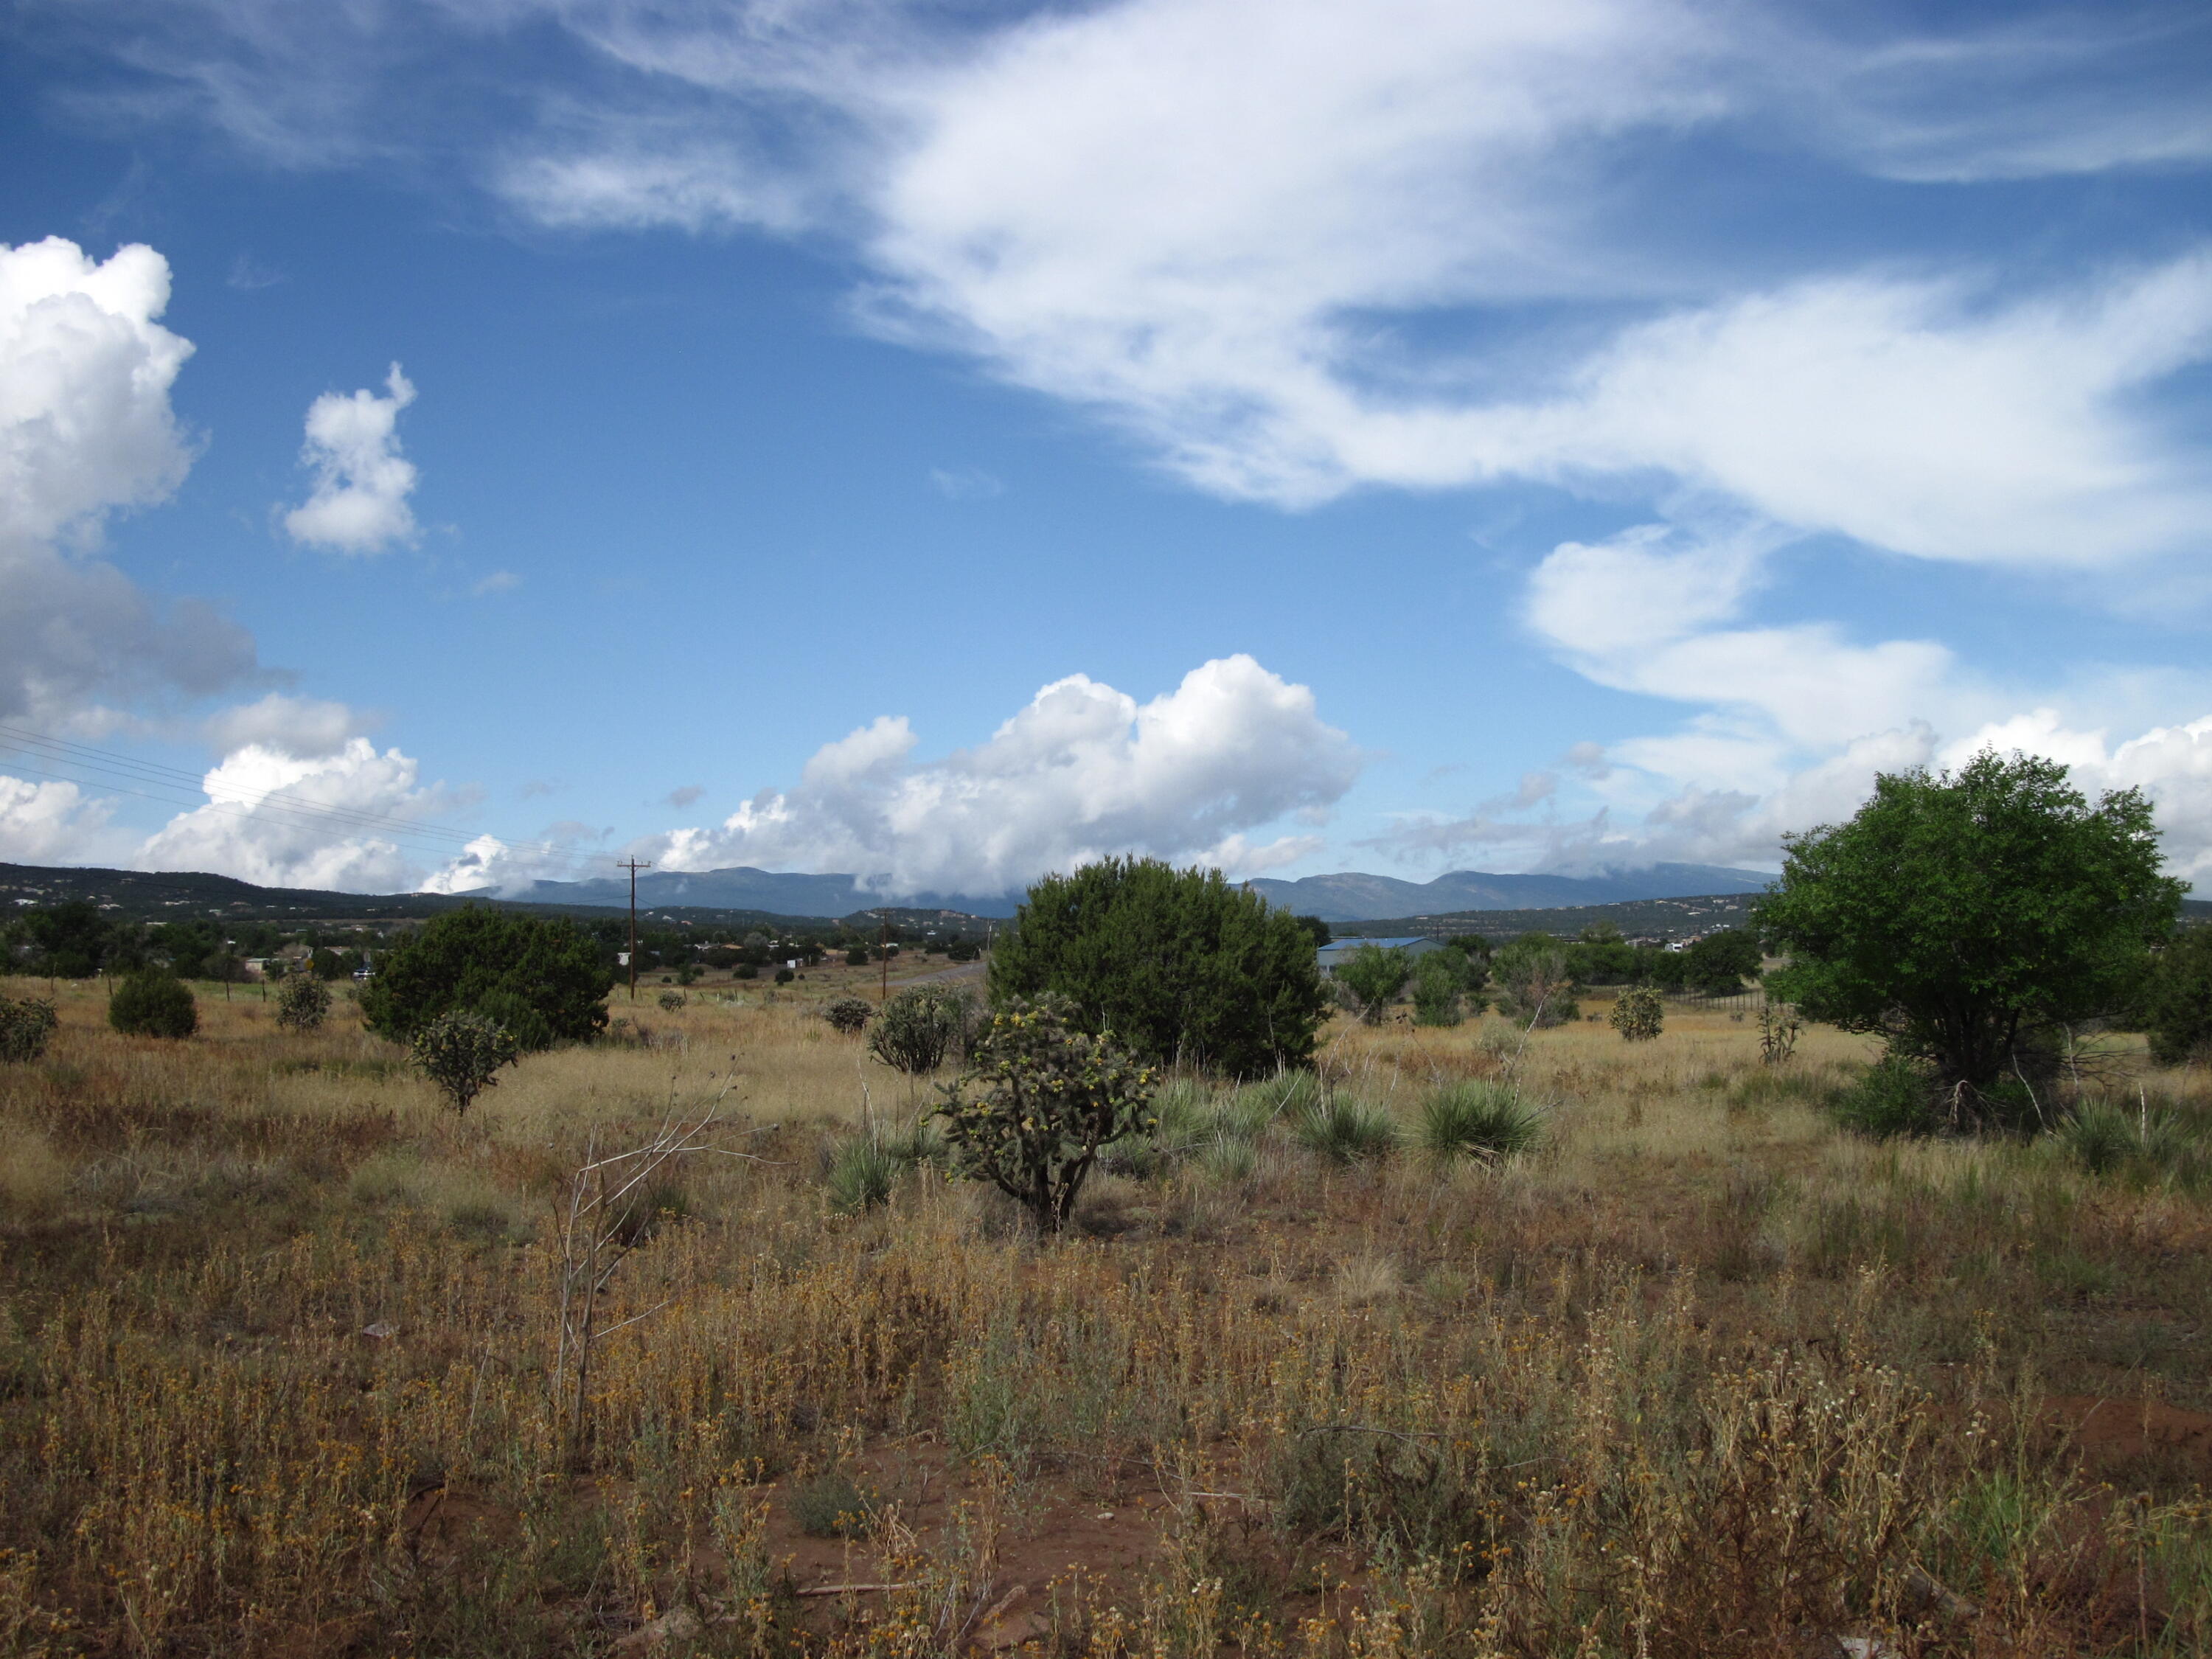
x,y
1639,1012
848,1015
917,1029
1045,1099
25,1026
460,1052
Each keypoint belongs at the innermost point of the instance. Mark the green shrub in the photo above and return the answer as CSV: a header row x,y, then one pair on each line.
x,y
1040,1100
1182,967
1967,917
1372,977
1483,1121
1638,1013
459,960
1228,1159
460,1052
303,1002
1535,986
671,1002
917,1029
2178,1014
848,1015
1346,1129
26,1026
785,975
1438,981
519,1018
151,1003
829,1505
857,956
1716,963
1896,1097
1285,1098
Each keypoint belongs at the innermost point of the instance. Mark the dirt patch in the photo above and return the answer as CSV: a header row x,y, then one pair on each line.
x,y
2125,1440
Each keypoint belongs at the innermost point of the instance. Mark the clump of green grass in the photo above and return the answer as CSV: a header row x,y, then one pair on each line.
x,y
1346,1129
1229,1160
1182,1119
1482,1122
829,1505
861,1174
1283,1097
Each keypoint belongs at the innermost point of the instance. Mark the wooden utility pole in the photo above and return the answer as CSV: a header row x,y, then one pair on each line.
x,y
883,951
633,866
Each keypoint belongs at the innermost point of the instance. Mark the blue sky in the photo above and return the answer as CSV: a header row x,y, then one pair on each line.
x,y
948,442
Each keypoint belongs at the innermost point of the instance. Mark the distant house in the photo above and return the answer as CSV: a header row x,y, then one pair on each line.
x,y
1331,954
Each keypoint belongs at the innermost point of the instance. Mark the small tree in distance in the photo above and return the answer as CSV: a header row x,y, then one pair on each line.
x,y
1439,980
917,1029
1535,982
848,1016
1038,1103
1717,963
1639,1012
303,1003
26,1026
152,1003
2179,1015
460,1052
1372,977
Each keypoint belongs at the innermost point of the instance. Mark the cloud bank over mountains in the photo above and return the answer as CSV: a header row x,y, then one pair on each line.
x,y
1293,251
1083,771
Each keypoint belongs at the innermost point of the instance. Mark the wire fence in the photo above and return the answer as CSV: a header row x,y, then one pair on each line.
x,y
1734,1002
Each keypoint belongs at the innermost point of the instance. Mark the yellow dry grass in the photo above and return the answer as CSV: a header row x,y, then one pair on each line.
x,y
1699,1376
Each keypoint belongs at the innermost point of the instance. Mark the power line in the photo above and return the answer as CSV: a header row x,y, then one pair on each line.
x,y
632,866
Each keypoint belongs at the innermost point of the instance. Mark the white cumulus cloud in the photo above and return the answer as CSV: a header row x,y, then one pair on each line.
x,y
1083,771
49,823
85,373
1787,725
328,820
308,727
358,503
86,429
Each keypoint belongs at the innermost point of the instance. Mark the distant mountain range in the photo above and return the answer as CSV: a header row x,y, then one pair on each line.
x,y
1348,897
786,893
1353,897
1669,900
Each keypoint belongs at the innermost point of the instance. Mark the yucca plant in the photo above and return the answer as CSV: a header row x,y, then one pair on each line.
x,y
1346,1129
862,1172
1482,1122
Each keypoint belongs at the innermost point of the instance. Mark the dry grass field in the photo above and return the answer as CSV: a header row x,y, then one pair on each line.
x,y
1699,1376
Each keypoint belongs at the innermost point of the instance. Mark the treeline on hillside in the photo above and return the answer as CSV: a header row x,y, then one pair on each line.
x,y
1716,965
77,939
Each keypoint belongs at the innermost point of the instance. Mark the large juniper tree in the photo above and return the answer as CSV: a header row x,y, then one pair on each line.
x,y
1967,916
1178,964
